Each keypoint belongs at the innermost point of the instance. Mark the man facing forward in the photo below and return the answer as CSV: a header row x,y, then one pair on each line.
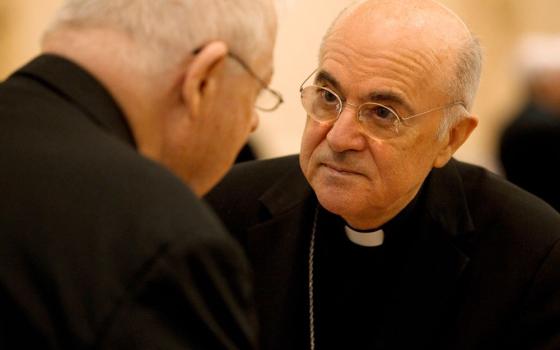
x,y
380,239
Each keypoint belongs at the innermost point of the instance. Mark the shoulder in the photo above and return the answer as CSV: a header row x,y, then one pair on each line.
x,y
491,191
250,190
170,245
250,180
266,170
514,252
500,210
150,196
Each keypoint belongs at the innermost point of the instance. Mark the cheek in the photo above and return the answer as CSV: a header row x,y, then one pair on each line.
x,y
313,135
240,119
407,163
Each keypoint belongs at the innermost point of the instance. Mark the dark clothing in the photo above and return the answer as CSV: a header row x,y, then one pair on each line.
x,y
99,246
472,263
352,281
247,153
530,153
345,275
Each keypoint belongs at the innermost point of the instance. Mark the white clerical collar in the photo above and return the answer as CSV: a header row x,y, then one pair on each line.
x,y
365,239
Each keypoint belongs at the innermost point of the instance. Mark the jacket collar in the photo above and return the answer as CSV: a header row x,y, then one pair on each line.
x,y
446,200
80,88
290,190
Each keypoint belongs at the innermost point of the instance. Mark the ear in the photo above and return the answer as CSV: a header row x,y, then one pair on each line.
x,y
199,74
455,137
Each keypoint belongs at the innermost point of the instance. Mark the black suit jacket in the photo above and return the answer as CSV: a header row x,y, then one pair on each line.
x,y
99,246
482,272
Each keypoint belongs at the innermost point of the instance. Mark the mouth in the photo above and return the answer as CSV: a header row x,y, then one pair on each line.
x,y
340,170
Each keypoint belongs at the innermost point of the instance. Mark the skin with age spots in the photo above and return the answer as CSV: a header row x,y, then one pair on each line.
x,y
372,55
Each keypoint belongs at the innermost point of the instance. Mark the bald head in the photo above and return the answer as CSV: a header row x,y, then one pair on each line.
x,y
421,20
450,55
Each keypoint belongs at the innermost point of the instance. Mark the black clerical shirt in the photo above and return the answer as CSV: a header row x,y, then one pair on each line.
x,y
353,283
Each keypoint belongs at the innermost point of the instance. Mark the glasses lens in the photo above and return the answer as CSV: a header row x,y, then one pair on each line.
x,y
267,100
320,103
378,120
323,105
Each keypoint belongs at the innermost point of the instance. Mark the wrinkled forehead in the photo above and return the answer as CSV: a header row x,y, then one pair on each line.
x,y
411,46
405,68
384,24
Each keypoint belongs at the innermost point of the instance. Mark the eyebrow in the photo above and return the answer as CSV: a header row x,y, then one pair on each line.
x,y
388,96
323,76
375,96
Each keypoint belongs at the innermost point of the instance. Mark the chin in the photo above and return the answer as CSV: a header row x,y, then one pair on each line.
x,y
336,201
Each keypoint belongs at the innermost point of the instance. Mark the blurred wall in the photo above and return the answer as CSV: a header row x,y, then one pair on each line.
x,y
498,23
21,25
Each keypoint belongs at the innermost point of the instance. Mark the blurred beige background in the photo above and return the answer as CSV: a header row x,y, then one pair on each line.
x,y
498,23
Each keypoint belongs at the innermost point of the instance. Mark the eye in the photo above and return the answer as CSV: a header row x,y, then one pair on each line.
x,y
382,112
373,112
328,97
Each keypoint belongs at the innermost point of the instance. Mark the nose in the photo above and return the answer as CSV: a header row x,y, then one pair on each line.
x,y
254,121
345,134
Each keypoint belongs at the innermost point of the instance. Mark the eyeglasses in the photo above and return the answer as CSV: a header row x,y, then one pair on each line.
x,y
376,120
268,99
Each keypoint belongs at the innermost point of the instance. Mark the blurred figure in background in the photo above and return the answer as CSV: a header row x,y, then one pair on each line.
x,y
108,140
530,144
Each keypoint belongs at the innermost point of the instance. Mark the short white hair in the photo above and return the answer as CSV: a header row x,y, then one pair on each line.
x,y
465,76
171,29
463,83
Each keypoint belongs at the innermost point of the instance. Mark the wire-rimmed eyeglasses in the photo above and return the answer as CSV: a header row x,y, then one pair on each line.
x,y
377,120
268,99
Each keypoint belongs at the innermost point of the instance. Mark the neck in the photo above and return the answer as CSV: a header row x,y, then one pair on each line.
x,y
112,58
372,220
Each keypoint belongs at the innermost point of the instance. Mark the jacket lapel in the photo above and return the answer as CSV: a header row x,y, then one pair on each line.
x,y
278,247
